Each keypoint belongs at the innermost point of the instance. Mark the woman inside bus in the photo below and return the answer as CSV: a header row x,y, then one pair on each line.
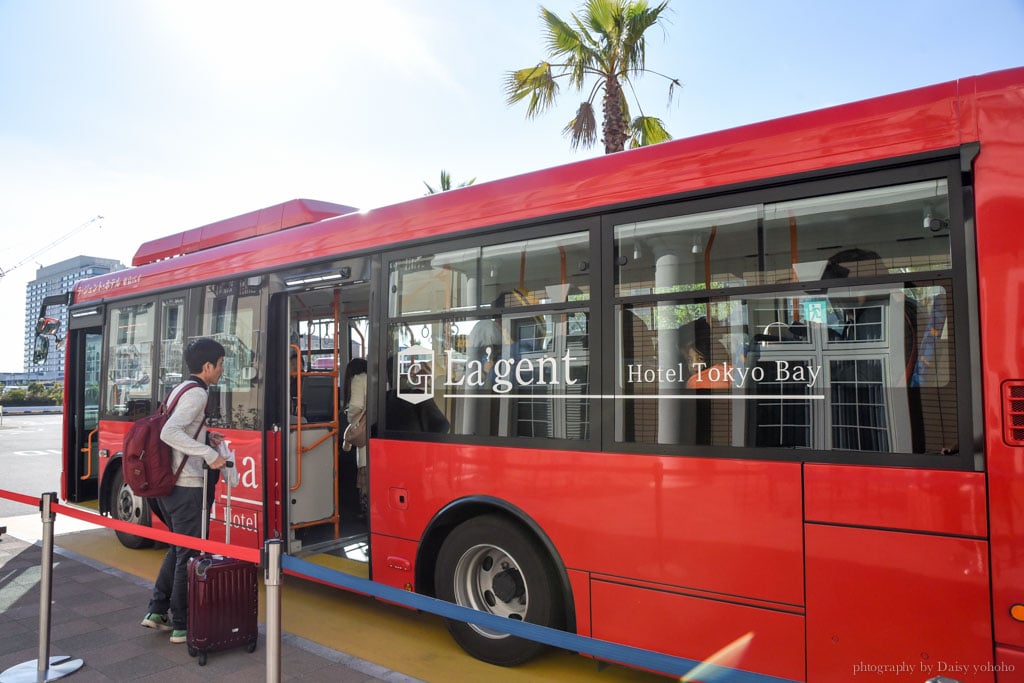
x,y
293,374
354,398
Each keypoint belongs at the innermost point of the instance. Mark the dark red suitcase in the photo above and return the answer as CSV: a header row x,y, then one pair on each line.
x,y
223,599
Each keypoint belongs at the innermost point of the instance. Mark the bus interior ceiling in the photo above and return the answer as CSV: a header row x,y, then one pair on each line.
x,y
324,513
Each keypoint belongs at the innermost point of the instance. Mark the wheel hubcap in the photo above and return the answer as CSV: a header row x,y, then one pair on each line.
x,y
128,508
488,579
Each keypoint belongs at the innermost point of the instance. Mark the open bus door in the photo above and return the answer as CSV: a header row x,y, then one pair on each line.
x,y
326,328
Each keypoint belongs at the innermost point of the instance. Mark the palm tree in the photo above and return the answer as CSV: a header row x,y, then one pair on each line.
x,y
446,183
605,43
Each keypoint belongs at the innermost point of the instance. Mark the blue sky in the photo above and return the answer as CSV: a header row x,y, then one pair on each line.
x,y
163,115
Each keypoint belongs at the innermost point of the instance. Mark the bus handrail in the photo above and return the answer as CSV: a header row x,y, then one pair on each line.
x,y
88,459
298,418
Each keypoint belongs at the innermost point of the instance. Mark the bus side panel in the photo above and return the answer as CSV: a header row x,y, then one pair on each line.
x,y
246,497
999,205
393,562
696,523
580,583
111,443
1010,664
1006,492
932,501
882,598
112,433
761,640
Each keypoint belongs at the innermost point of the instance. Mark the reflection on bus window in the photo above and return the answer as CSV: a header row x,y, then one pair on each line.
x,y
522,273
905,226
850,368
172,335
510,375
231,314
130,360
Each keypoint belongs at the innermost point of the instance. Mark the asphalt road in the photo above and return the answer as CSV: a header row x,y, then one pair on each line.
x,y
29,458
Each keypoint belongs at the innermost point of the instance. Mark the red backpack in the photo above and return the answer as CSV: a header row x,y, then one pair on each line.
x,y
147,463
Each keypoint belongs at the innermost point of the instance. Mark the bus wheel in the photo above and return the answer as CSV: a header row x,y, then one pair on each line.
x,y
127,507
491,564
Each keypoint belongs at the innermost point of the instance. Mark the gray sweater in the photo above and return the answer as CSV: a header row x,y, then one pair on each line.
x,y
179,433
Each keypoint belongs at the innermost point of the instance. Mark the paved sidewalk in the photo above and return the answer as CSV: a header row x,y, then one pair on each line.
x,y
96,615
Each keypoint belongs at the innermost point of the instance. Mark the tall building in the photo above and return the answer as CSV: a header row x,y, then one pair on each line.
x,y
50,280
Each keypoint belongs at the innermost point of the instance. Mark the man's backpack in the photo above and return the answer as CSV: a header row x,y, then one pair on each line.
x,y
148,463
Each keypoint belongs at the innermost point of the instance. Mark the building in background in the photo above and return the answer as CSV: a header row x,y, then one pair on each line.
x,y
50,280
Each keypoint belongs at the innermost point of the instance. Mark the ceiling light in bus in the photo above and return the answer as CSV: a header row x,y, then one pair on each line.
x,y
82,312
315,278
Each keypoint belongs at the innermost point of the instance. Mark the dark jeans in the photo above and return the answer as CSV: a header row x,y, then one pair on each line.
x,y
182,512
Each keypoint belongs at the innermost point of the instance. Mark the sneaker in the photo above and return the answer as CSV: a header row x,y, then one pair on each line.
x,y
158,621
179,635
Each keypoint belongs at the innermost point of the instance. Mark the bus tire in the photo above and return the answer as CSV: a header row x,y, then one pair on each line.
x,y
127,507
493,565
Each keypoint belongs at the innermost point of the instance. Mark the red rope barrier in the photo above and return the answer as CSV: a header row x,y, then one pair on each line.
x,y
21,498
212,547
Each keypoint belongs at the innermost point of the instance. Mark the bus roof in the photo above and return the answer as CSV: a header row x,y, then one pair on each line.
x,y
937,117
260,222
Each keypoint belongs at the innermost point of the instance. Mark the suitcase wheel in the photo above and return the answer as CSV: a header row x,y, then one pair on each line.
x,y
251,647
192,651
202,659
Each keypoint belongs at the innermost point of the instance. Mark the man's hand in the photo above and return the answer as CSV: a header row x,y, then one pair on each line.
x,y
218,463
214,439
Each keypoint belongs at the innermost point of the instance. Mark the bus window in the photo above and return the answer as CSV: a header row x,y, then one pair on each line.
x,y
515,274
130,360
232,314
864,368
848,368
505,371
530,272
510,375
673,254
172,335
905,226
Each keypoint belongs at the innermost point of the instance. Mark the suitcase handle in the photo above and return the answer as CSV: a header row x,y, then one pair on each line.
x,y
202,565
227,505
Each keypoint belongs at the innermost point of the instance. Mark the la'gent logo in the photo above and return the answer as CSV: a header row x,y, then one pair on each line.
x,y
415,374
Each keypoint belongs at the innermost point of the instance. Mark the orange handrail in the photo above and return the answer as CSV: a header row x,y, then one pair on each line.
x,y
88,458
298,417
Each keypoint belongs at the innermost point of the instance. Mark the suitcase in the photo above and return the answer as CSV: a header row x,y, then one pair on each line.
x,y
223,597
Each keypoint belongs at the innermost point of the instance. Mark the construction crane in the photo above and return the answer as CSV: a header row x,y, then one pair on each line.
x,y
51,245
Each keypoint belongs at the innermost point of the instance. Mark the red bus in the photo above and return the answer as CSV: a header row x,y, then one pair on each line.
x,y
758,386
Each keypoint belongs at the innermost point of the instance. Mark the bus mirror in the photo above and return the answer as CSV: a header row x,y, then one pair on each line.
x,y
48,326
41,350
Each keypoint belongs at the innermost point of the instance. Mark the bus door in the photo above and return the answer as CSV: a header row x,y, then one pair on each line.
x,y
85,349
326,329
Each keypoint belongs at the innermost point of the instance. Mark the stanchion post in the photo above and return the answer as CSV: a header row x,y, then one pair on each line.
x,y
45,668
272,581
46,580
